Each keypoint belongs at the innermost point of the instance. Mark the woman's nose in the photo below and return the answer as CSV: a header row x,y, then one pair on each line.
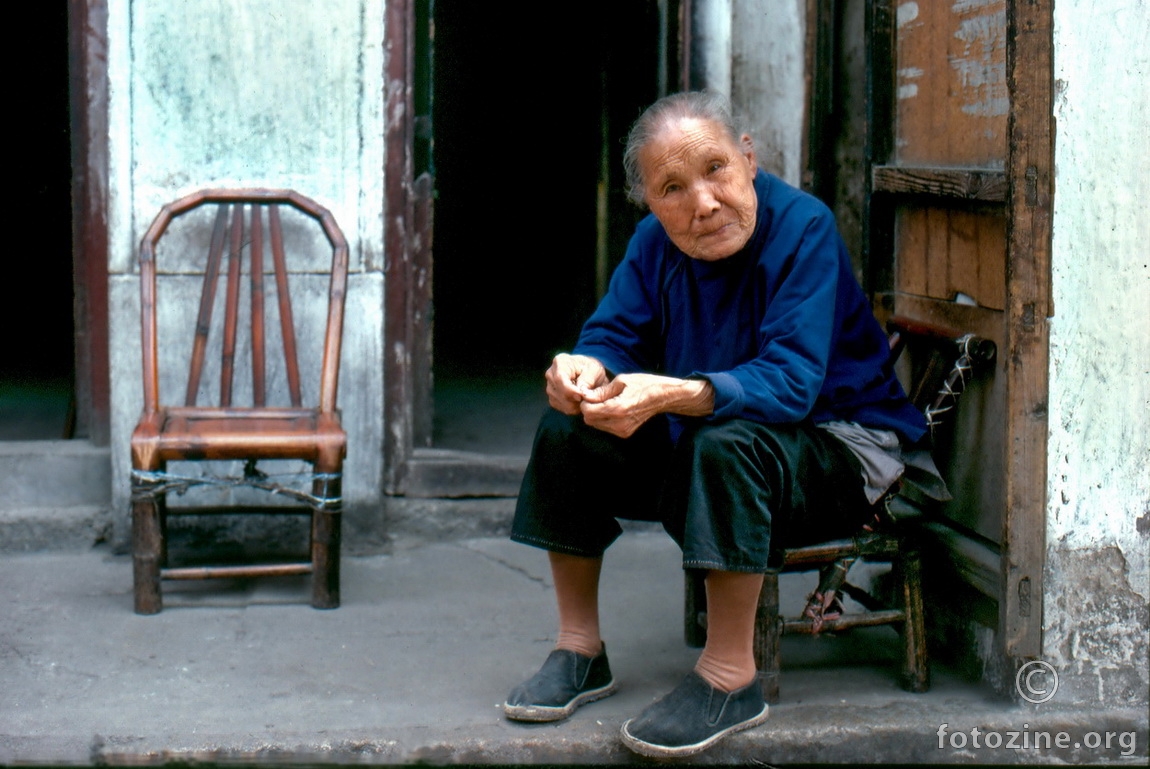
x,y
705,201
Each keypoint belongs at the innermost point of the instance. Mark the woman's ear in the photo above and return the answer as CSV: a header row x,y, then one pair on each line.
x,y
748,147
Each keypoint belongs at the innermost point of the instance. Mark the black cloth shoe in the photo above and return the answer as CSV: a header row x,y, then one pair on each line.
x,y
566,681
693,717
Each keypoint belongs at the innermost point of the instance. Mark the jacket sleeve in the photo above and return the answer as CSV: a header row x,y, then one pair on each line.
x,y
624,331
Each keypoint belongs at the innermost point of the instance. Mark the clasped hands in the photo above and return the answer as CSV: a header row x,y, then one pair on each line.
x,y
620,405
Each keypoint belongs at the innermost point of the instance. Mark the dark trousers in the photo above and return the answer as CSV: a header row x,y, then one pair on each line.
x,y
728,492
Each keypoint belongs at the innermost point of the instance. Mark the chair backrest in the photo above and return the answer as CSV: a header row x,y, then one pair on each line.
x,y
939,377
231,231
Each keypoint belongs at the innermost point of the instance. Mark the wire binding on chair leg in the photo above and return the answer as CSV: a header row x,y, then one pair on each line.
x,y
328,497
824,603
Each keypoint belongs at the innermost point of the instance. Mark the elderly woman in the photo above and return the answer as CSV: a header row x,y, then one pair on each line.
x,y
733,385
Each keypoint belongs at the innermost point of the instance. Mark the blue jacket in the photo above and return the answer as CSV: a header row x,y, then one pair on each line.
x,y
782,329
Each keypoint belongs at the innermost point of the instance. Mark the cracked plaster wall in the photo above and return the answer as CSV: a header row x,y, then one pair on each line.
x,y
1097,577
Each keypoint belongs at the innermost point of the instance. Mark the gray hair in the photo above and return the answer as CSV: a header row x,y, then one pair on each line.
x,y
701,105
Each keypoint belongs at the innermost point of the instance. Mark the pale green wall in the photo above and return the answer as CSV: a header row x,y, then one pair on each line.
x,y
1098,515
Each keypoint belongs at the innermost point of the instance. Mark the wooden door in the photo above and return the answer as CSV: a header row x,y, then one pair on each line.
x,y
949,126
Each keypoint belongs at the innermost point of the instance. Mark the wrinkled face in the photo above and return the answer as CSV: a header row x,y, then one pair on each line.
x,y
699,184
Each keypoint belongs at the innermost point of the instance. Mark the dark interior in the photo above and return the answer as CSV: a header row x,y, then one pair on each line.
x,y
521,107
36,367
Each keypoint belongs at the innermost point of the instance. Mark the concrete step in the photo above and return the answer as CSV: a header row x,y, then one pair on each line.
x,y
54,495
33,529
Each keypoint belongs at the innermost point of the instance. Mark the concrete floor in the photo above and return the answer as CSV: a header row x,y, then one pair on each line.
x,y
413,666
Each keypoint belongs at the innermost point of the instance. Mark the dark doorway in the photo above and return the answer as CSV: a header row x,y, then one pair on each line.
x,y
36,367
528,115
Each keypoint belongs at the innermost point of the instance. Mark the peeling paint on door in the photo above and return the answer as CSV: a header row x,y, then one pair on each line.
x,y
908,90
981,64
906,13
951,84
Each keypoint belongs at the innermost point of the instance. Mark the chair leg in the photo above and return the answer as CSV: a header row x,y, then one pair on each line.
x,y
916,667
148,548
695,608
326,535
768,637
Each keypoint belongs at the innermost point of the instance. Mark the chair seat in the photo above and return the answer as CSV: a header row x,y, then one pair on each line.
x,y
237,433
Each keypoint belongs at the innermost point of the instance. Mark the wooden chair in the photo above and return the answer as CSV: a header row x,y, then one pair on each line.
x,y
230,231
939,377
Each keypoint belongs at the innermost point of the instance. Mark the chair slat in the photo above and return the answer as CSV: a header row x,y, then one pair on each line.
x,y
207,302
231,307
287,325
259,355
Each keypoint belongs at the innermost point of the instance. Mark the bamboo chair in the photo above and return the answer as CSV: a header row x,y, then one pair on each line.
x,y
951,359
229,231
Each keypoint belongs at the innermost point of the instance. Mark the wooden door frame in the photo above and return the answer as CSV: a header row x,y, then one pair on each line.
x,y
88,103
412,467
1029,307
398,212
405,331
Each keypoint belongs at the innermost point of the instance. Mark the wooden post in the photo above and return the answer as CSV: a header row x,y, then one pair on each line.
x,y
695,608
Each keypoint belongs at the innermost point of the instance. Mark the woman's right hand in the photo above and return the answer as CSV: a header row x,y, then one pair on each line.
x,y
570,378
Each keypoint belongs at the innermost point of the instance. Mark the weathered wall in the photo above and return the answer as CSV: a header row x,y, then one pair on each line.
x,y
767,80
1097,579
752,51
275,93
